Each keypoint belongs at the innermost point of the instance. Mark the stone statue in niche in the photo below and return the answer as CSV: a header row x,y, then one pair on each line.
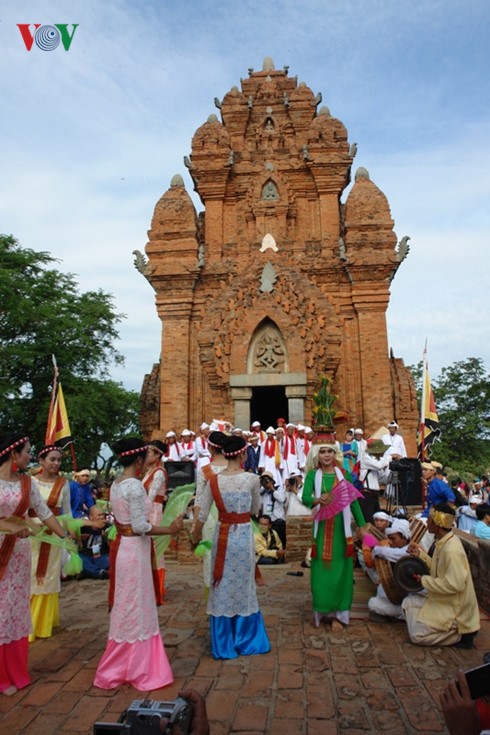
x,y
269,352
269,191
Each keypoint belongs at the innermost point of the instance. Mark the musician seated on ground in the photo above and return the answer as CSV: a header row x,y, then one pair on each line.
x,y
447,614
95,548
268,545
381,609
381,521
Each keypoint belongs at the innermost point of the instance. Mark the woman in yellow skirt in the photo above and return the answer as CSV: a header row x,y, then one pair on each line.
x,y
46,559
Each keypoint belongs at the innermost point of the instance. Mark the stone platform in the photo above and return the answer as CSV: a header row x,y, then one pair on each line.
x,y
368,679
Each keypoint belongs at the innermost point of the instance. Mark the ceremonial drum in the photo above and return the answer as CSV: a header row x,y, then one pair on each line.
x,y
379,535
417,530
393,591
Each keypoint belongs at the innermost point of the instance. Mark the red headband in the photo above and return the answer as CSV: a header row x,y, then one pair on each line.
x,y
14,445
47,450
140,450
234,454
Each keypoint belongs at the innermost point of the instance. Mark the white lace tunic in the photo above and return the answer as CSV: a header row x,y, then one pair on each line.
x,y
236,592
51,583
15,586
134,614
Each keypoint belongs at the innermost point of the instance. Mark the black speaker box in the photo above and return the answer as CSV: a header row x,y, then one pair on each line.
x,y
179,473
410,482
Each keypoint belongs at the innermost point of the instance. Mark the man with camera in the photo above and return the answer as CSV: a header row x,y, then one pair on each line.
x,y
373,473
273,499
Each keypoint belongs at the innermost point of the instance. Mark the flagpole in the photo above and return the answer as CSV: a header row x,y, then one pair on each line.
x,y
48,437
422,408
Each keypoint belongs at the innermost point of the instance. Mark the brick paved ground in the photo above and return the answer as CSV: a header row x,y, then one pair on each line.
x,y
369,679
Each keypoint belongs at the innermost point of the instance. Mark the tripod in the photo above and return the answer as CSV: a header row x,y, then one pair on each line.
x,y
395,496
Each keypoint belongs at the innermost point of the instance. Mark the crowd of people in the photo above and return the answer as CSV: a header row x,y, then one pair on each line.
x,y
247,483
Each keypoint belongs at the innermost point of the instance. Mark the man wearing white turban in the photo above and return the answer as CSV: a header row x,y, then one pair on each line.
x,y
381,610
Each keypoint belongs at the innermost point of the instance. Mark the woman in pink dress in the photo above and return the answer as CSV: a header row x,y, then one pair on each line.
x,y
155,482
134,653
18,493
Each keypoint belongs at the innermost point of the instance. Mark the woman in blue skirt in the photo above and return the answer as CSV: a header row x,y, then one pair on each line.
x,y
237,626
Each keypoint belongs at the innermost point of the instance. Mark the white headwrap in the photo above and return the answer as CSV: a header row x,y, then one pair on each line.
x,y
399,526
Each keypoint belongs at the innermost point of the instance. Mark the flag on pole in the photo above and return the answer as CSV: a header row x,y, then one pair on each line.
x,y
429,430
58,428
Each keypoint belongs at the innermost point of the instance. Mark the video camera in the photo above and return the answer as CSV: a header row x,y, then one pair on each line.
x,y
400,465
144,717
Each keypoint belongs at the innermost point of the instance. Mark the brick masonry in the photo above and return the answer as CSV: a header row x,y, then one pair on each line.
x,y
276,164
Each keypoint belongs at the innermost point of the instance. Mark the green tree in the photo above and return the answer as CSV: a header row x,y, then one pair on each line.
x,y
42,312
462,396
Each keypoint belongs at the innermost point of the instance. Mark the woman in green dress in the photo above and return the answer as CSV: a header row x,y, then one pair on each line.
x,y
332,562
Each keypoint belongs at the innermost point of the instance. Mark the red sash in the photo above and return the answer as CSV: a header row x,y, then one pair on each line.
x,y
226,519
207,472
126,530
45,549
270,447
147,483
8,543
289,446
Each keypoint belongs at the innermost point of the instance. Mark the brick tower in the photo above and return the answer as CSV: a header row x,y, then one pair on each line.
x,y
277,282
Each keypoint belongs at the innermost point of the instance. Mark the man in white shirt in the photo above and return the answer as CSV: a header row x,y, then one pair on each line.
x,y
394,441
201,446
374,470
187,447
361,443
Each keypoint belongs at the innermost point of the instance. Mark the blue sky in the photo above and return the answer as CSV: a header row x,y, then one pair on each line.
x,y
90,139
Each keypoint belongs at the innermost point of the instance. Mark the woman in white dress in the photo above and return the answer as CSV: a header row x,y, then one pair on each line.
x,y
237,626
18,493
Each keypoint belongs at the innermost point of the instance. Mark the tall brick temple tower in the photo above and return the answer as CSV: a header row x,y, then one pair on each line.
x,y
277,282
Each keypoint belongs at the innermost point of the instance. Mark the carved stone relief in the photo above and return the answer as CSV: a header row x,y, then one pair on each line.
x,y
267,351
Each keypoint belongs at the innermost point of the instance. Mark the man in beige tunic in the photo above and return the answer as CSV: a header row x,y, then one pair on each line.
x,y
447,614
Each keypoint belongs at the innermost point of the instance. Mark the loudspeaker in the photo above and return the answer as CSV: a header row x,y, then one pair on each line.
x,y
179,473
410,482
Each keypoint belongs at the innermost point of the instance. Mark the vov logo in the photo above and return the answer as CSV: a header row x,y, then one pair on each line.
x,y
47,37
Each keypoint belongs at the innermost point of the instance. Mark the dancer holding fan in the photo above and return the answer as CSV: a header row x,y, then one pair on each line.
x,y
335,503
